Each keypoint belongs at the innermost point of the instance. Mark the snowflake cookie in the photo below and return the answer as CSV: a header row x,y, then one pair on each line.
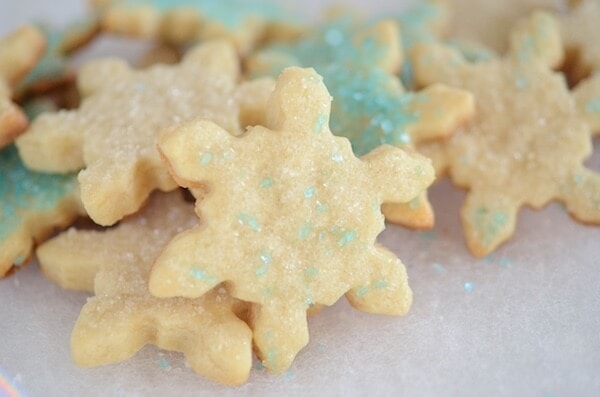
x,y
291,217
115,265
113,134
527,142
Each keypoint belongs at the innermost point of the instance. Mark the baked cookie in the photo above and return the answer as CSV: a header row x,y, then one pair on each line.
x,y
115,265
245,22
370,105
19,53
113,134
304,233
527,142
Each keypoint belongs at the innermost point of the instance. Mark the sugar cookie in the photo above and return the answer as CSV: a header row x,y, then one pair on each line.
x,y
304,233
122,317
527,142
113,134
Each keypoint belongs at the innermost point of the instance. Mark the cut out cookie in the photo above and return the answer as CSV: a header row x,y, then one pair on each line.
x,y
370,105
113,134
291,217
527,142
245,22
122,317
19,53
31,206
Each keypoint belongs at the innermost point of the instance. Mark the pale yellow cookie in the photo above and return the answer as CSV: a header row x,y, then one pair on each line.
x,y
19,53
526,145
291,217
113,134
489,22
122,317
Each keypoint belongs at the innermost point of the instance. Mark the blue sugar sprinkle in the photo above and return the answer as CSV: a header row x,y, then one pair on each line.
x,y
206,158
164,364
311,272
347,238
322,208
320,123
249,221
266,261
337,157
305,231
469,286
439,268
379,284
309,192
362,291
266,183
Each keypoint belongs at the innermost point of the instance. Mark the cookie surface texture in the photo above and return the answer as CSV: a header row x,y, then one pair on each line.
x,y
113,134
370,105
304,234
31,206
527,142
115,264
19,53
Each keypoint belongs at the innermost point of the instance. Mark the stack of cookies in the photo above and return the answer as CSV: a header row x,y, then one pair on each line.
x,y
237,176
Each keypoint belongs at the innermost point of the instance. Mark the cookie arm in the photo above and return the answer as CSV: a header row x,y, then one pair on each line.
x,y
95,75
130,181
12,120
386,291
73,259
385,35
538,38
215,56
300,100
488,220
442,110
253,97
53,143
278,343
418,214
188,266
582,196
399,175
19,52
435,63
216,344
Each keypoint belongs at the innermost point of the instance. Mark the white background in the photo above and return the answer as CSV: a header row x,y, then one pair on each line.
x,y
530,326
